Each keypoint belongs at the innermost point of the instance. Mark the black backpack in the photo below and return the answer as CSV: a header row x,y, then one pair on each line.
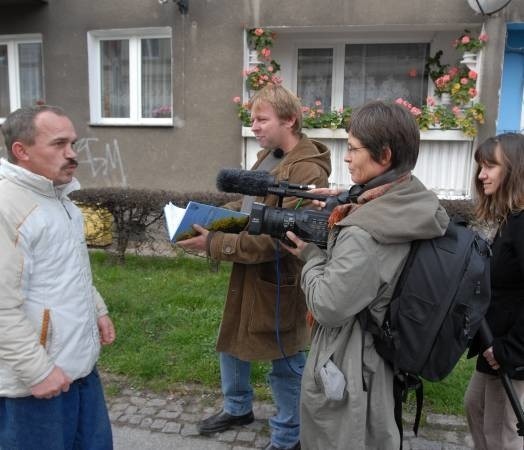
x,y
437,307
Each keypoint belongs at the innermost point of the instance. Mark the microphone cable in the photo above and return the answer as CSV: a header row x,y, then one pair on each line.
x,y
277,313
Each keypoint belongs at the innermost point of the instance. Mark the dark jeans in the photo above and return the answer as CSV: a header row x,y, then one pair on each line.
x,y
75,420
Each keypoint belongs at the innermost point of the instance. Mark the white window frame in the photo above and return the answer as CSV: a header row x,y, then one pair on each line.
x,y
134,36
12,41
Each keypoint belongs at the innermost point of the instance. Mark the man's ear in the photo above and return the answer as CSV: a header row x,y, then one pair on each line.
x,y
289,123
19,151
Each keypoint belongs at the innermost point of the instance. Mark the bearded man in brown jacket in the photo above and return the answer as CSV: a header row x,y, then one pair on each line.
x,y
247,331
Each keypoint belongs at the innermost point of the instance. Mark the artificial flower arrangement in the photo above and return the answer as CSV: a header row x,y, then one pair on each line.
x,y
467,42
263,73
434,115
459,82
316,117
162,111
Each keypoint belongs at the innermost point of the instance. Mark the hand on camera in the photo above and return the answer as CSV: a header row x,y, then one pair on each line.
x,y
299,243
328,192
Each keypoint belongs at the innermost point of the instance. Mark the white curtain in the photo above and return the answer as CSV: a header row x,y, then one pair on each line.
x,y
156,77
114,55
5,106
31,73
314,76
384,72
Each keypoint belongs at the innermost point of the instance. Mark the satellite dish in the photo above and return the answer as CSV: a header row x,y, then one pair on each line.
x,y
487,7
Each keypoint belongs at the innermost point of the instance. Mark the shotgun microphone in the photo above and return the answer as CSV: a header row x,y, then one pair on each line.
x,y
253,182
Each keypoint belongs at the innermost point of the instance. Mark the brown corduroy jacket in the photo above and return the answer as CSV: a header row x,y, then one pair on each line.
x,y
247,330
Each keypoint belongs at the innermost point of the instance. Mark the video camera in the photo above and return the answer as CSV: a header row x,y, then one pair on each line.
x,y
308,224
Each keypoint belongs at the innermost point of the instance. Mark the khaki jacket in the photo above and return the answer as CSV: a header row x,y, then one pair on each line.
x,y
359,269
247,330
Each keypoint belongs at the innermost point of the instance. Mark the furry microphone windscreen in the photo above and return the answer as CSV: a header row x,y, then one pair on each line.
x,y
247,182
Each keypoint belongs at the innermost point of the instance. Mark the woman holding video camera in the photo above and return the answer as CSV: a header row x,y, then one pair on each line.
x,y
347,388
500,203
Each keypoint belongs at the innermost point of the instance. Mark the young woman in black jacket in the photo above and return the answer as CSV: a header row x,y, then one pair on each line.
x,y
500,204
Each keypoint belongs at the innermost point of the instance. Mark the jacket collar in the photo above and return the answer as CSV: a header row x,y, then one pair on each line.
x,y
36,183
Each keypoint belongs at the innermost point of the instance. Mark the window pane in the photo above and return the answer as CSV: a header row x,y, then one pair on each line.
x,y
5,106
314,74
115,78
31,73
384,72
156,77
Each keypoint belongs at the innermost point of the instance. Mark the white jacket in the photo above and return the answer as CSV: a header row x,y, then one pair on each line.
x,y
44,264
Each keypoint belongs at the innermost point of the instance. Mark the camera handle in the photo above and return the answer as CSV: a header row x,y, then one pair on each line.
x,y
486,338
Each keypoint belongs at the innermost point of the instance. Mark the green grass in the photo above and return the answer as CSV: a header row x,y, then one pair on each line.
x,y
167,313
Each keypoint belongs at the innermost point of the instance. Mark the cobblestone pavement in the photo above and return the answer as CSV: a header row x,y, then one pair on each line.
x,y
143,420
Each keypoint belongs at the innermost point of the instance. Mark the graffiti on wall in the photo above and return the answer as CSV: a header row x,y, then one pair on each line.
x,y
103,161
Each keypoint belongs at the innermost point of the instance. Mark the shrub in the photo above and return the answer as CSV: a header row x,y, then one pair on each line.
x,y
134,211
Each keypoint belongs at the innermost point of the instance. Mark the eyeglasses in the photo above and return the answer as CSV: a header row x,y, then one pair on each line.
x,y
351,149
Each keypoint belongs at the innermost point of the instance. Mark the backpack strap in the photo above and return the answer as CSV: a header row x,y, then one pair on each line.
x,y
402,384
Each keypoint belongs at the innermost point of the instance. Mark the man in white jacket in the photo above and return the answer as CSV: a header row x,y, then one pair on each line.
x,y
52,319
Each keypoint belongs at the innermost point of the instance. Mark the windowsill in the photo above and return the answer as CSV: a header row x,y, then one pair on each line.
x,y
131,124
339,133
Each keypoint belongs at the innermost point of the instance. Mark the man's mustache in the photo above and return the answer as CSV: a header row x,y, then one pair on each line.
x,y
70,162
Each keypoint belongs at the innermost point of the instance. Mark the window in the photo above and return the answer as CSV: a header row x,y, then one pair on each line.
x,y
353,74
21,72
130,76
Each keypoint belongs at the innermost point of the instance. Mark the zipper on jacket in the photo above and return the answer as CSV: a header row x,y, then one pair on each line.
x,y
64,206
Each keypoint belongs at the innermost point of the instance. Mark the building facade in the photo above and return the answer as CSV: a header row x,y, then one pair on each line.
x,y
150,84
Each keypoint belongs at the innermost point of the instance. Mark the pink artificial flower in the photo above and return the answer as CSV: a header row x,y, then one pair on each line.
x,y
318,103
265,77
472,74
446,78
483,37
265,52
415,111
412,73
270,68
472,92
399,101
453,71
236,100
464,81
259,31
465,40
305,109
430,101
440,82
456,110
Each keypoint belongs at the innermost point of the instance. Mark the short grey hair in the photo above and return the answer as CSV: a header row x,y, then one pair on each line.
x,y
20,126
